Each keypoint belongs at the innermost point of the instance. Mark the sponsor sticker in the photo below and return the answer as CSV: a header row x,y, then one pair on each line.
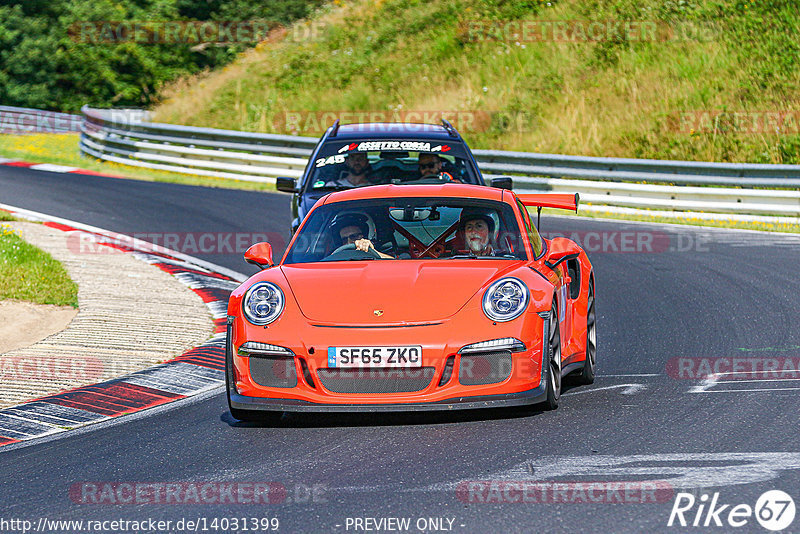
x,y
410,146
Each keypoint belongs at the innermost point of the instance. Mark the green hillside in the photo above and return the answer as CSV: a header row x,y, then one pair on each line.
x,y
689,79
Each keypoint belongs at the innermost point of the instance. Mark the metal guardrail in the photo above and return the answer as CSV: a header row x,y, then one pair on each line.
x,y
125,136
26,120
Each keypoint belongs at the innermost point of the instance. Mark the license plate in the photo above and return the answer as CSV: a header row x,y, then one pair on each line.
x,y
406,356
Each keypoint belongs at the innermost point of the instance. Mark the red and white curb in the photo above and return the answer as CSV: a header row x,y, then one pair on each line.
x,y
52,167
196,371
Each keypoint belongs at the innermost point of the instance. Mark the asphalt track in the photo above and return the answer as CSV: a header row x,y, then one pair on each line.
x,y
705,294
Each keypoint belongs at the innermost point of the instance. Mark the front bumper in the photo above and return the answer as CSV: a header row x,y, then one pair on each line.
x,y
533,396
525,385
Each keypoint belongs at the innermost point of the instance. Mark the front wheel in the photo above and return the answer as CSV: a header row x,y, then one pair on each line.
x,y
553,360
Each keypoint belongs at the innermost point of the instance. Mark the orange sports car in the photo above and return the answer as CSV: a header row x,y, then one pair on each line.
x,y
412,297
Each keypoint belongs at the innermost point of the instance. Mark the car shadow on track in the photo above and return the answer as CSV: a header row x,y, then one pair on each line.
x,y
377,419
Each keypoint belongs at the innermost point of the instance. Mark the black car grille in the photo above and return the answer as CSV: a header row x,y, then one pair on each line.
x,y
484,368
273,371
376,380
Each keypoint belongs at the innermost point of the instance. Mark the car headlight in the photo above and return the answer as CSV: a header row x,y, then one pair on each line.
x,y
505,299
263,303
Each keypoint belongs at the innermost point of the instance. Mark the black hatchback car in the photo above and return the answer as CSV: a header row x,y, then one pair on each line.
x,y
355,155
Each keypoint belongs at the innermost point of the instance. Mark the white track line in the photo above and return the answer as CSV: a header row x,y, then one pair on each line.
x,y
630,389
51,167
617,376
714,379
753,390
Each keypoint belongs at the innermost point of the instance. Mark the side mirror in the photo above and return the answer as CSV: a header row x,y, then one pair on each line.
x,y
504,182
561,249
287,185
259,255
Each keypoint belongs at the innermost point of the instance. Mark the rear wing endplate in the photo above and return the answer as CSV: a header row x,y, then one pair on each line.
x,y
564,201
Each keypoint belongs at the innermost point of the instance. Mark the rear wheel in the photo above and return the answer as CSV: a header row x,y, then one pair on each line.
x,y
553,360
588,373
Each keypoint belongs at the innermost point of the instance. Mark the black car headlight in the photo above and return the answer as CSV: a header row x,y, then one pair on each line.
x,y
505,299
263,303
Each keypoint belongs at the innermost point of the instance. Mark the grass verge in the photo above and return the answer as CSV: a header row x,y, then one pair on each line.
x,y
62,149
30,274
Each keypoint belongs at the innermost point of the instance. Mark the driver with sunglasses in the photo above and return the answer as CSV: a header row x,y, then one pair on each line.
x,y
430,166
352,229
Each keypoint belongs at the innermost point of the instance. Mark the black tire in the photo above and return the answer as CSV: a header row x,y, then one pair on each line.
x,y
588,373
553,360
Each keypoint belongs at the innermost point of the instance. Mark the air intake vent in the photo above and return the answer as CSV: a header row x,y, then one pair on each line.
x,y
484,368
273,371
447,371
376,380
306,373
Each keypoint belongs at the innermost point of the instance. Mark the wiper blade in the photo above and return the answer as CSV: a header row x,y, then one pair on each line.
x,y
335,187
474,257
368,258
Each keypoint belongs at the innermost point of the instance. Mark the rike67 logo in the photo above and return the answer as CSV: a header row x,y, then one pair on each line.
x,y
774,510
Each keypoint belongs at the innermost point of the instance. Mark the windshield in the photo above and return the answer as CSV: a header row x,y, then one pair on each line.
x,y
409,228
361,163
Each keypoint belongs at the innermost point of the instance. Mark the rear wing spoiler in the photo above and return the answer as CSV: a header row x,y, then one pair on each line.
x,y
564,201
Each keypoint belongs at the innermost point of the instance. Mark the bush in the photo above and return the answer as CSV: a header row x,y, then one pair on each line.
x,y
45,63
